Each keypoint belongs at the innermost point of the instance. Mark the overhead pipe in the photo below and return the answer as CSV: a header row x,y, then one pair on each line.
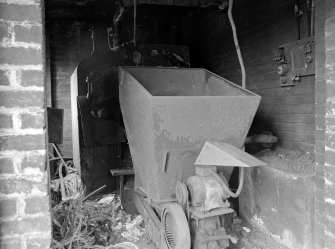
x,y
298,15
134,31
309,17
240,59
238,50
115,31
312,18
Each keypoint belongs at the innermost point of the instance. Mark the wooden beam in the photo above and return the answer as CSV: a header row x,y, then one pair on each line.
x,y
75,121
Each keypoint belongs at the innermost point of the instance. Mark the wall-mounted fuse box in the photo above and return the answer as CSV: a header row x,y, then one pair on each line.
x,y
295,60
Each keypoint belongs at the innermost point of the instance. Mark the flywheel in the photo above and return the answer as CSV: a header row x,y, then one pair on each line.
x,y
176,231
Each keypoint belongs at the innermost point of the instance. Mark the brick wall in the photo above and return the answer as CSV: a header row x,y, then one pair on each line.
x,y
325,120
66,51
330,124
262,27
24,202
320,99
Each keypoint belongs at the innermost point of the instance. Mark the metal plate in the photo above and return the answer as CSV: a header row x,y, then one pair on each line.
x,y
226,155
55,125
166,110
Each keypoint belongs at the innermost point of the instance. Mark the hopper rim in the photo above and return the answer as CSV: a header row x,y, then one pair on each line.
x,y
252,94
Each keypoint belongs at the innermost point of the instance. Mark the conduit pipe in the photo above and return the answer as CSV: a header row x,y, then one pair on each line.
x,y
134,31
226,188
262,138
238,50
258,138
240,59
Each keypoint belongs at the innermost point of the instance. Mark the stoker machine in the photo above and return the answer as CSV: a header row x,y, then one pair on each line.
x,y
186,129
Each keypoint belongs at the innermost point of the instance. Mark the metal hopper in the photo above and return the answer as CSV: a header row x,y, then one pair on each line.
x,y
169,113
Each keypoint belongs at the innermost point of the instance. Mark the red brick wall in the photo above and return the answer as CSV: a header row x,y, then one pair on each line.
x,y
24,201
262,27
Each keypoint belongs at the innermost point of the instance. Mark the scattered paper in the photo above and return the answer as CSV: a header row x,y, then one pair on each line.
x,y
133,229
107,199
123,245
248,230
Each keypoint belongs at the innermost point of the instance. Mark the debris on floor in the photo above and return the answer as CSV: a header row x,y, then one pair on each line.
x,y
107,199
123,245
233,226
134,229
288,160
67,182
249,237
97,223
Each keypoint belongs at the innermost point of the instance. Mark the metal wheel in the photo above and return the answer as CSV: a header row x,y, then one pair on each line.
x,y
182,193
176,231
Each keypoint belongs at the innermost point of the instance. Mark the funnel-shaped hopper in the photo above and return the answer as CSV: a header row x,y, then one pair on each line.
x,y
169,113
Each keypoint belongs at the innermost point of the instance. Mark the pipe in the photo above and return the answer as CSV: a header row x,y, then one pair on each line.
x,y
238,50
240,59
93,43
298,15
135,13
116,26
309,17
262,138
312,18
226,188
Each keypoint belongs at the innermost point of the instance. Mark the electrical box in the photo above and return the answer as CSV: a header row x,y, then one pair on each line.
x,y
295,60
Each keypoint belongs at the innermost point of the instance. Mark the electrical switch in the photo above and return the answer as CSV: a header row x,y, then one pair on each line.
x,y
282,70
295,61
280,55
308,52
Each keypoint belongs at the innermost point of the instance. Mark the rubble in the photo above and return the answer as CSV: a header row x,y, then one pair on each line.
x,y
291,161
107,199
134,229
97,223
123,245
67,182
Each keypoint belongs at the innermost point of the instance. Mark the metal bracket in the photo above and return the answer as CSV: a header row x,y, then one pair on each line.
x,y
150,212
